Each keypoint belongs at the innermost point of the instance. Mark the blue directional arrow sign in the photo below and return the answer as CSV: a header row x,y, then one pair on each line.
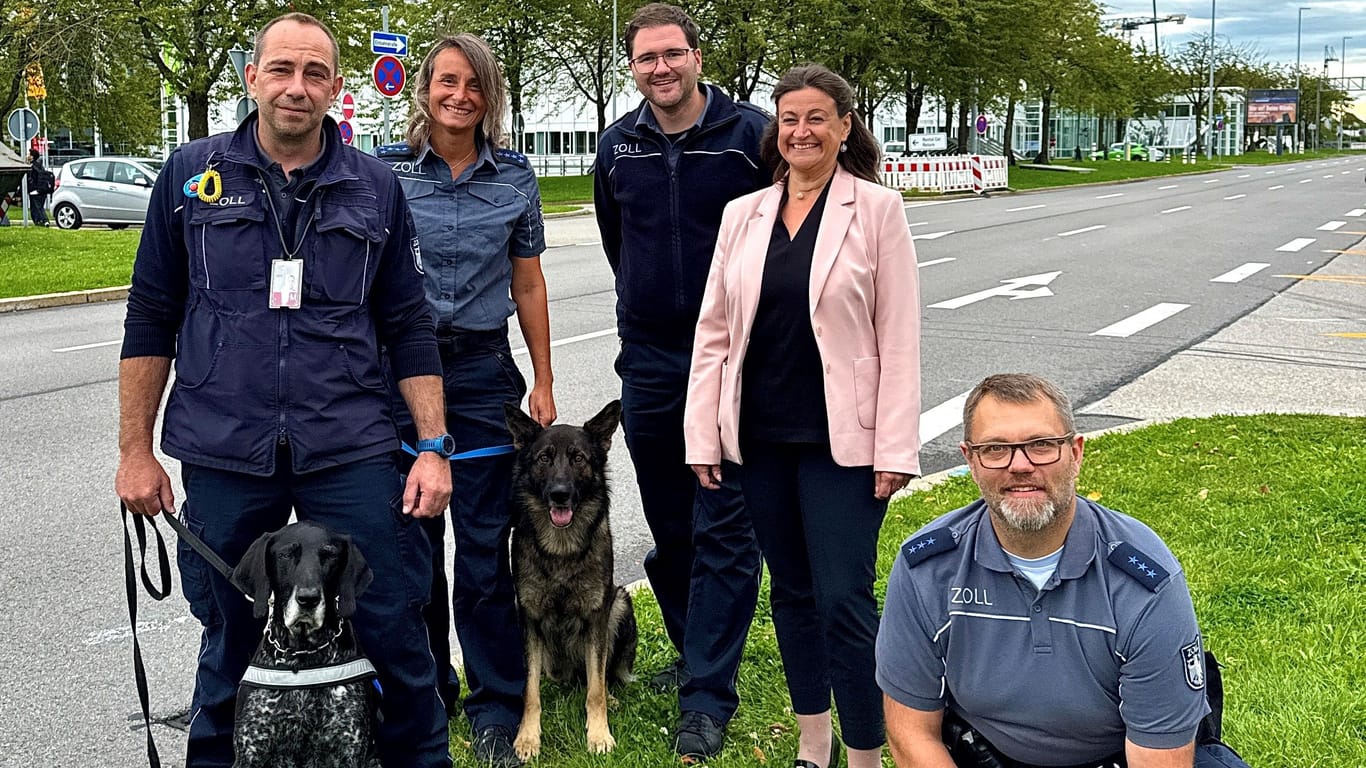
x,y
388,42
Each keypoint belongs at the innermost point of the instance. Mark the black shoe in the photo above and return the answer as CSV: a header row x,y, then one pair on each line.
x,y
698,736
493,748
671,678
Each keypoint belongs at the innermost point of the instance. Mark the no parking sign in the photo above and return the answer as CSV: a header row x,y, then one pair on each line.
x,y
348,134
390,76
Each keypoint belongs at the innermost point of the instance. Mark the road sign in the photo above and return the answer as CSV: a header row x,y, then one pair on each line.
x,y
244,109
239,58
348,133
23,124
388,42
1015,288
348,103
1218,122
925,142
390,76
981,123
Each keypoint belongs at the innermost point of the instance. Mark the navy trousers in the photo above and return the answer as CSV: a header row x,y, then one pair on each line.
x,y
818,525
480,376
704,568
230,510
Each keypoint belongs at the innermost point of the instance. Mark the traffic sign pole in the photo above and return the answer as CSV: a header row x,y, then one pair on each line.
x,y
384,18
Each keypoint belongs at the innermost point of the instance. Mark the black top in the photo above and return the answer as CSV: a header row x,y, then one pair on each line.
x,y
782,390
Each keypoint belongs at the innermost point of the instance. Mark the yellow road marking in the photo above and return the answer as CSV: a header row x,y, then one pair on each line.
x,y
1349,279
1349,335
1353,253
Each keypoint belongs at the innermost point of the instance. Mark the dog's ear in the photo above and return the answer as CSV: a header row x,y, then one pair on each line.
x,y
524,429
601,427
252,577
355,578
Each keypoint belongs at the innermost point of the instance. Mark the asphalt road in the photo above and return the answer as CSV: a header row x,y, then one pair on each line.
x,y
1089,286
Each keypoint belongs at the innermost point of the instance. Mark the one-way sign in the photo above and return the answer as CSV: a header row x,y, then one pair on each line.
x,y
388,42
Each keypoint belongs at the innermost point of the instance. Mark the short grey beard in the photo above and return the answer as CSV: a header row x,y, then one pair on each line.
x,y
1027,518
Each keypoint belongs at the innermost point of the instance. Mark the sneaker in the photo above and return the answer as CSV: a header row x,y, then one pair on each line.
x,y
493,748
698,736
671,678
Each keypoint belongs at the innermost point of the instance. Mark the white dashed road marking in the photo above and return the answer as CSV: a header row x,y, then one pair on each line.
x,y
1211,181
1296,245
89,346
1244,176
941,418
1241,273
1234,197
1169,186
1355,212
1112,194
1305,181
1332,226
1025,208
932,262
1071,232
1148,317
1278,186
1178,209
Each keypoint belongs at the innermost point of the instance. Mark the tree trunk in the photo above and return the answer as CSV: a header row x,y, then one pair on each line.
x,y
197,103
915,101
948,117
1006,143
1044,133
515,105
963,127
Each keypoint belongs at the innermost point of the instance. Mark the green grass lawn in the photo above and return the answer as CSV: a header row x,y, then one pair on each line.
x,y
566,189
1122,170
1268,517
38,260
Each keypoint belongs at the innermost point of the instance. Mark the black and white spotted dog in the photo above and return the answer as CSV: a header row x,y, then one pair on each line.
x,y
308,700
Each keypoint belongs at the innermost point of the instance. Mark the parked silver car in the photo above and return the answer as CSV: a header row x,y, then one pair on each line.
x,y
104,190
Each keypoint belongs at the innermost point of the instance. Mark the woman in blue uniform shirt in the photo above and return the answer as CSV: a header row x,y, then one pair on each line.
x,y
477,212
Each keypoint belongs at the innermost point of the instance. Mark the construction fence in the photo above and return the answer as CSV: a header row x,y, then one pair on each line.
x,y
947,173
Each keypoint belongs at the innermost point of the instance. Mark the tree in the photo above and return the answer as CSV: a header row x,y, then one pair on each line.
x,y
1191,65
587,61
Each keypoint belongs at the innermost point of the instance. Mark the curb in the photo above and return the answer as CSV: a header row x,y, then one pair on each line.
x,y
46,300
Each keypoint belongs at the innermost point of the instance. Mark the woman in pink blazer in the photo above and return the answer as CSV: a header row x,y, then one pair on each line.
x,y
806,370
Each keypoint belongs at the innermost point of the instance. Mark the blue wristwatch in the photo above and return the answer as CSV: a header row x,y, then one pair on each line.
x,y
441,445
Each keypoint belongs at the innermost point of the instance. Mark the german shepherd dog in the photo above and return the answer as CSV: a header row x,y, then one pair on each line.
x,y
578,625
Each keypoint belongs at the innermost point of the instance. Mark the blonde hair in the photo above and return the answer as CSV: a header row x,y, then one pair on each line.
x,y
486,69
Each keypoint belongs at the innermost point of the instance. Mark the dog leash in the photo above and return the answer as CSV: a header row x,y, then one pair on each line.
x,y
477,453
158,593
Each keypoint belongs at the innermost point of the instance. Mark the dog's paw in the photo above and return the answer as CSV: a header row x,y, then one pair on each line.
x,y
528,742
601,743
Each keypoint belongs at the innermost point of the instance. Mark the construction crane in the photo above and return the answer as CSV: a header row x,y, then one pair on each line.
x,y
1128,25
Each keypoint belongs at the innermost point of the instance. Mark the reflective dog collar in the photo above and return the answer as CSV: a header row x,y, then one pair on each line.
x,y
265,677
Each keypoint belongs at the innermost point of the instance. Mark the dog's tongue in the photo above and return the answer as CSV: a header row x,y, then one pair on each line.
x,y
561,516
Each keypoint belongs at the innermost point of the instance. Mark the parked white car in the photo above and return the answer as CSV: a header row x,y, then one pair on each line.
x,y
104,190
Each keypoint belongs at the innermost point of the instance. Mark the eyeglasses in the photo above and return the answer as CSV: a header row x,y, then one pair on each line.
x,y
673,59
1040,452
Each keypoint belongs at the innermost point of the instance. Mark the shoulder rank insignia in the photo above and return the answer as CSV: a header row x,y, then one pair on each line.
x,y
397,149
920,548
1138,565
512,157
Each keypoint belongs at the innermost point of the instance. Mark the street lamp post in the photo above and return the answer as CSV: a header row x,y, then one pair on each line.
x,y
1210,150
1318,99
1299,28
613,60
1342,59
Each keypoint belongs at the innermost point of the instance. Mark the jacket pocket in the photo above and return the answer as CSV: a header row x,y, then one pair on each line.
x,y
346,250
867,373
229,251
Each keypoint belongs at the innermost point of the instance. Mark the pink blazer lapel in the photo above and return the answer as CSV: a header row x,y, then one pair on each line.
x,y
839,212
754,253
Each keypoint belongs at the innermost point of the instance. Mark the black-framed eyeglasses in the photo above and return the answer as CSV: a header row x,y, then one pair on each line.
x,y
1041,451
673,59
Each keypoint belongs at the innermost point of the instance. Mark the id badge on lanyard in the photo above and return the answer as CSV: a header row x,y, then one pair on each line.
x,y
286,278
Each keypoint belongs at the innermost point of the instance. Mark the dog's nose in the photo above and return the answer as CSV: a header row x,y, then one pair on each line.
x,y
308,599
559,496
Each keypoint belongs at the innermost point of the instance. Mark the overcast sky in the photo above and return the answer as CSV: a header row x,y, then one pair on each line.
x,y
1269,24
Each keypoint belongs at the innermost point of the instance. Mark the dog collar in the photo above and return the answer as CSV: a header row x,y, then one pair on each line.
x,y
318,677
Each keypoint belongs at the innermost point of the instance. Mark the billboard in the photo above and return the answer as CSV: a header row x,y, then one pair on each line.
x,y
1271,107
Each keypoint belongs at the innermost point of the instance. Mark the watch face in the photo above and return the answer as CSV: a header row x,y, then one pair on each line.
x,y
447,445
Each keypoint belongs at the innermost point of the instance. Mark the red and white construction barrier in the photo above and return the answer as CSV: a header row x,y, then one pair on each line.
x,y
953,173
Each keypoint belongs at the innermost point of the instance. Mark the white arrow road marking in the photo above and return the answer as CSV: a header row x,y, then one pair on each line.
x,y
1025,208
1332,226
1148,317
1112,194
1240,273
1178,209
1355,212
1071,232
1015,288
1296,245
89,346
932,262
1234,197
1169,186
932,235
941,418
1278,186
